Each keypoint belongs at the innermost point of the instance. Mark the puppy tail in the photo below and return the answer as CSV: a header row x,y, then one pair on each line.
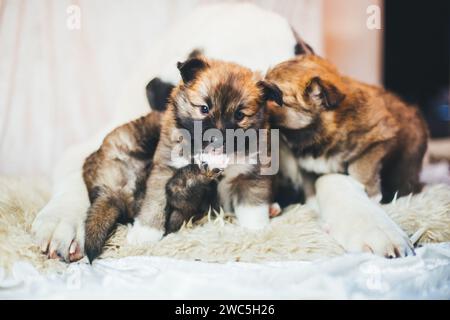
x,y
101,221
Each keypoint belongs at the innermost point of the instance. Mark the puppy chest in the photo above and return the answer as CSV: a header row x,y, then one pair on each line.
x,y
322,165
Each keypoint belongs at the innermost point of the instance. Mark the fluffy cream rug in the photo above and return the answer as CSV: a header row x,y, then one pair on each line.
x,y
295,235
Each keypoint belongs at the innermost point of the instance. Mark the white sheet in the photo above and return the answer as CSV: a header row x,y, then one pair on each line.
x,y
356,276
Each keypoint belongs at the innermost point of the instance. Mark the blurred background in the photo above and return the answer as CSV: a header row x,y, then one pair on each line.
x,y
58,85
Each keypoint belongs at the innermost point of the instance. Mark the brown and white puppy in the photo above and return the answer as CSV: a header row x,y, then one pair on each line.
x,y
216,95
334,124
359,140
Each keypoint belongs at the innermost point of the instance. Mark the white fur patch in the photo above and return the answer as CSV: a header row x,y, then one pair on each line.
x,y
178,162
139,234
322,165
252,217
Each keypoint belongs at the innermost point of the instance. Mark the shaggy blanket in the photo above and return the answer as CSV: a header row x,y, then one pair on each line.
x,y
295,235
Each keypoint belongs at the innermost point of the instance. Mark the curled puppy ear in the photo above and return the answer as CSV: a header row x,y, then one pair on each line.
x,y
271,92
323,94
190,68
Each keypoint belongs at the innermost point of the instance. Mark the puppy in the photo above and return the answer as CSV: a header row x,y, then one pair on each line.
x,y
115,177
191,193
212,95
335,124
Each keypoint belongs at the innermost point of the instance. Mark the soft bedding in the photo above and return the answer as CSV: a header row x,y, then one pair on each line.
x,y
351,276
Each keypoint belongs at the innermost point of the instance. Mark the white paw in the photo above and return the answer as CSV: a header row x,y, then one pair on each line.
x,y
139,234
252,217
356,222
60,234
380,239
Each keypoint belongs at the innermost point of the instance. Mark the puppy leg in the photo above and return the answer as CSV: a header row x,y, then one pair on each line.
x,y
366,169
149,225
59,227
400,173
250,198
356,222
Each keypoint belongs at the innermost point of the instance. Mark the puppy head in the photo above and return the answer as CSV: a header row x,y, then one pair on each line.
x,y
311,89
222,96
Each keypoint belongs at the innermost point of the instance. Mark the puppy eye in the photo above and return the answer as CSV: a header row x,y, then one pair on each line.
x,y
239,115
204,109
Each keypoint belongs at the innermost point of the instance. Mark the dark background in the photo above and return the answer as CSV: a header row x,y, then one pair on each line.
x,y
416,57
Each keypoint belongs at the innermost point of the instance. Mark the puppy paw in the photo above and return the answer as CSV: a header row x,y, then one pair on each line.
x,y
368,229
357,223
60,236
139,234
382,240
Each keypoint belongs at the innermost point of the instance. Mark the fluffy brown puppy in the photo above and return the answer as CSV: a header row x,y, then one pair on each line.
x,y
215,95
335,124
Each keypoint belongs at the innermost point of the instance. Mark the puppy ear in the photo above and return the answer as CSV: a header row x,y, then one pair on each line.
x,y
301,47
196,53
190,68
323,94
158,93
271,92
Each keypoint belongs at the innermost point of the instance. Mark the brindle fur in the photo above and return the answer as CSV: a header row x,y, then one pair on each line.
x,y
367,132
